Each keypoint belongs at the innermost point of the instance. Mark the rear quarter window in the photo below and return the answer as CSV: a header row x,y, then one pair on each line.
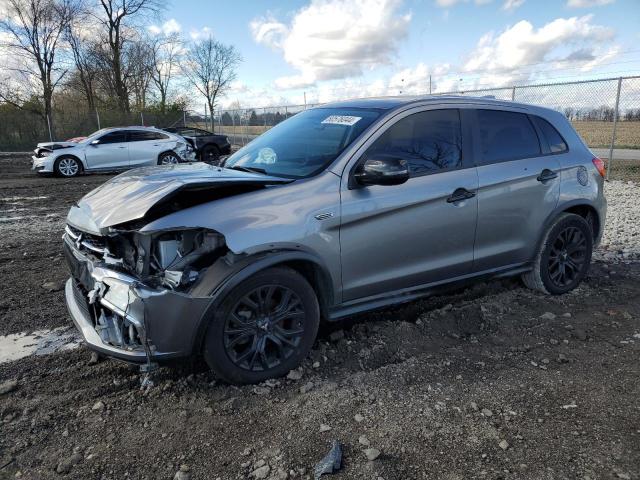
x,y
506,136
552,136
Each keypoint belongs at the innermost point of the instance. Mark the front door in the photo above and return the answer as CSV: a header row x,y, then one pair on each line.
x,y
420,232
111,151
518,189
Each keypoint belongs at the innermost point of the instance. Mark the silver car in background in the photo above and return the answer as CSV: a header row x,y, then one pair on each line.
x,y
112,149
338,210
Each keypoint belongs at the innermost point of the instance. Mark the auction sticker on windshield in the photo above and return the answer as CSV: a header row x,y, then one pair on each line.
x,y
341,120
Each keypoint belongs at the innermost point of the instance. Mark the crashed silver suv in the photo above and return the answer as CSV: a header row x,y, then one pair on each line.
x,y
338,210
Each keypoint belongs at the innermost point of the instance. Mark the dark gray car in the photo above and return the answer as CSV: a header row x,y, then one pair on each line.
x,y
338,210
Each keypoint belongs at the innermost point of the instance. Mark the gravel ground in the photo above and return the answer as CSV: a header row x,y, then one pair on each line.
x,y
621,238
494,381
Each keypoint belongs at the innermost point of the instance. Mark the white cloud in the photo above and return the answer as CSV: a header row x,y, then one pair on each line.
x,y
169,27
511,5
204,32
587,3
522,45
268,31
334,39
451,3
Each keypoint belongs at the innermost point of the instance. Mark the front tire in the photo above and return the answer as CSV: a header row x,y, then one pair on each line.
x,y
67,167
264,327
564,256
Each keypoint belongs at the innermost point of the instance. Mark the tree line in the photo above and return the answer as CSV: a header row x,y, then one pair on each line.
x,y
603,114
104,54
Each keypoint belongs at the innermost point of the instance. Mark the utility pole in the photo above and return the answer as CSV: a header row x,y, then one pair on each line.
x,y
615,125
429,84
305,100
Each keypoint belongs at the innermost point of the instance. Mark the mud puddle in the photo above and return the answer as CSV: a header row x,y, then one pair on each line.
x,y
40,342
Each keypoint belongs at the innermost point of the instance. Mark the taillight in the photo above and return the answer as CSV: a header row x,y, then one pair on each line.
x,y
599,164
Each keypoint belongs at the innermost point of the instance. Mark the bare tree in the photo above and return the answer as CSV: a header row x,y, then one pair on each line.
x,y
210,67
140,63
167,54
34,31
84,49
114,19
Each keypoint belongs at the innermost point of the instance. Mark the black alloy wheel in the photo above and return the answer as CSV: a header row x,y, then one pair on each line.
x,y
567,257
563,256
264,328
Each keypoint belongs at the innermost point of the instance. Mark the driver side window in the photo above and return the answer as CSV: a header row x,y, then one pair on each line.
x,y
113,137
429,141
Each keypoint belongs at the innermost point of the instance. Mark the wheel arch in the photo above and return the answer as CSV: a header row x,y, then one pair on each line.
x,y
306,264
62,156
581,207
168,150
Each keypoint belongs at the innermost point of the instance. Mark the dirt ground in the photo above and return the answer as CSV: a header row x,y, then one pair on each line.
x,y
493,382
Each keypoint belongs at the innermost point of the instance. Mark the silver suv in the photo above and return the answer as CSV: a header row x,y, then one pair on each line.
x,y
338,210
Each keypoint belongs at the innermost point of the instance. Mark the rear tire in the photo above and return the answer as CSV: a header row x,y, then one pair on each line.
x,y
264,327
564,256
168,158
210,154
67,167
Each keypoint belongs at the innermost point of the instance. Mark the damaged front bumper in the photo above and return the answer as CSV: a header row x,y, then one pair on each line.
x,y
120,317
42,164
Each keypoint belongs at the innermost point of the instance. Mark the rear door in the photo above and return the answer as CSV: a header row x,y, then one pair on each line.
x,y
403,236
111,151
145,146
519,186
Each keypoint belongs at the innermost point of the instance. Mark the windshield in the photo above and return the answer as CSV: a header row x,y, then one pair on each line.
x,y
304,144
93,136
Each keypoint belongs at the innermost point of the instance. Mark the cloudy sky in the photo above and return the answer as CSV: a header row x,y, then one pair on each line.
x,y
333,49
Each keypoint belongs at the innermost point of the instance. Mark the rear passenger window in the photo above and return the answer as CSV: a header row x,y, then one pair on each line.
x,y
429,141
506,136
554,139
141,136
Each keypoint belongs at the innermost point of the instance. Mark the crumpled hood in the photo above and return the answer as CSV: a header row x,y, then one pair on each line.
x,y
56,145
130,195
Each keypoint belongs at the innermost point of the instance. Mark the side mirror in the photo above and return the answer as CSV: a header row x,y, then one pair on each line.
x,y
95,143
382,171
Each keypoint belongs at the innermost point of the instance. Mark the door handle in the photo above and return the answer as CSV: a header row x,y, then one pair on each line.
x,y
546,175
459,195
122,147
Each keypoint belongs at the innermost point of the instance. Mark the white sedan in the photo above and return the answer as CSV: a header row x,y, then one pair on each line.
x,y
112,149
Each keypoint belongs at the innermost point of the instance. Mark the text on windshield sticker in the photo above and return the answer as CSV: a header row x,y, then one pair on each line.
x,y
341,120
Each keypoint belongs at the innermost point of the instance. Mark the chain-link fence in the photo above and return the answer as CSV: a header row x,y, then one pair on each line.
x,y
21,130
606,114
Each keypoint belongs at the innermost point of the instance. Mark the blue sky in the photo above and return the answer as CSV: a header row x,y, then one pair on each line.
x,y
340,48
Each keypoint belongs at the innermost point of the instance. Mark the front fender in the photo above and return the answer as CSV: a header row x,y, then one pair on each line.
x,y
222,277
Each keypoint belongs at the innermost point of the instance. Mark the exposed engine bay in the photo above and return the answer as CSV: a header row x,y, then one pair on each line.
x,y
169,259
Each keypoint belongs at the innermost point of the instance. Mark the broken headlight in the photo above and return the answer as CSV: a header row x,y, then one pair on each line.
x,y
177,257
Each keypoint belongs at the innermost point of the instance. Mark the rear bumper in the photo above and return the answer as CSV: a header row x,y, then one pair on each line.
x,y
120,317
